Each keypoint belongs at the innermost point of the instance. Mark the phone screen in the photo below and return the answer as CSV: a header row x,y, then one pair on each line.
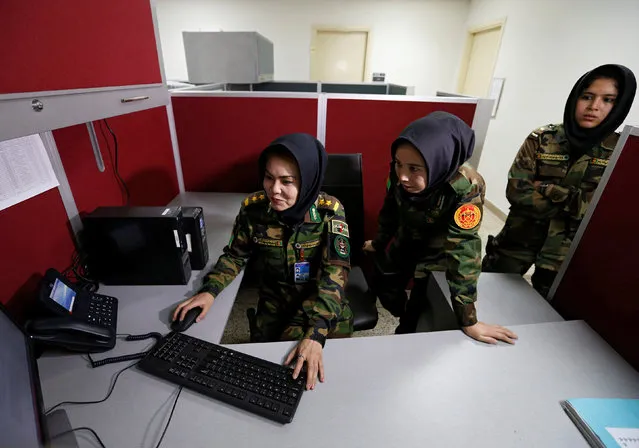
x,y
63,295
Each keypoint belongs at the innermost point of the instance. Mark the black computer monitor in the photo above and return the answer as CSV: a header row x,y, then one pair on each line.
x,y
21,415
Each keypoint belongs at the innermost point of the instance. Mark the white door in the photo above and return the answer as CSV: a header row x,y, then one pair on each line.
x,y
484,48
338,56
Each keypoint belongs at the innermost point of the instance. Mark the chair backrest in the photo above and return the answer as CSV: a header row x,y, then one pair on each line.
x,y
343,179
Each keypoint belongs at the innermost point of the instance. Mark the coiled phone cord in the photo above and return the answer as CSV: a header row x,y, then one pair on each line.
x,y
132,357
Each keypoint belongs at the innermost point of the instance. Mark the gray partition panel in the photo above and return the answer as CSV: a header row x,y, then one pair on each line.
x,y
504,299
366,89
285,87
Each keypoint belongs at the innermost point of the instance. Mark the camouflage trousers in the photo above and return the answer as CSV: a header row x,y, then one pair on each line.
x,y
271,323
501,260
390,289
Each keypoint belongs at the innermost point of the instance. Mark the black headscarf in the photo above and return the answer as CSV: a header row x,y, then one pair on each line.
x,y
311,159
444,141
581,139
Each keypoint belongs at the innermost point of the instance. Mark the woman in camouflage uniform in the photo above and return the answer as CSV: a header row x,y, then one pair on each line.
x,y
430,221
299,238
555,174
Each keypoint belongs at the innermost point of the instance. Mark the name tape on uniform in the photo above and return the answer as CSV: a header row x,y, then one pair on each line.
x,y
310,244
267,242
553,157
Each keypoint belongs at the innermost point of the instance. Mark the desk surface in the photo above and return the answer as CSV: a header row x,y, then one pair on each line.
x,y
427,389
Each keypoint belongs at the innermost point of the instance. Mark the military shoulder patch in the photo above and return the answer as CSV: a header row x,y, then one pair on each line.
x,y
339,227
467,216
255,198
342,246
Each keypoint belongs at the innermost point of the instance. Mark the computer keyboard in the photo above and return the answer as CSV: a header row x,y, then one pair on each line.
x,y
256,385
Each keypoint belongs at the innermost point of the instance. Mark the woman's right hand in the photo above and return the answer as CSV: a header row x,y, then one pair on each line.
x,y
203,300
368,246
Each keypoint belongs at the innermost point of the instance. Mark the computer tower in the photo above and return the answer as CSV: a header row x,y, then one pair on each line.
x,y
195,232
136,246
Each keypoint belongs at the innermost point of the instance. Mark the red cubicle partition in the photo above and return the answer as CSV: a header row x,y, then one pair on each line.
x,y
146,161
599,284
220,137
35,236
75,44
369,127
221,134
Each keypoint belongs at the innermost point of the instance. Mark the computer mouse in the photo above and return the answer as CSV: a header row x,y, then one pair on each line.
x,y
189,319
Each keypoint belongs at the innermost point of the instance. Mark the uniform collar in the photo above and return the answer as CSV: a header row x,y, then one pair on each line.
x,y
312,214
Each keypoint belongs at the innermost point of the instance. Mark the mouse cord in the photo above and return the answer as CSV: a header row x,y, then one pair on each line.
x,y
85,428
170,417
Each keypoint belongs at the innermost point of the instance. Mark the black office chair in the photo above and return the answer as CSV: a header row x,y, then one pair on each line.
x,y
343,179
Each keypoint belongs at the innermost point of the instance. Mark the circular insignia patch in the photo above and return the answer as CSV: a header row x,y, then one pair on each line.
x,y
342,246
467,216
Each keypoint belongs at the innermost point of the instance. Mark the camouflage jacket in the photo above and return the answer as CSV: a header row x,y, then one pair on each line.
x,y
439,233
322,240
553,187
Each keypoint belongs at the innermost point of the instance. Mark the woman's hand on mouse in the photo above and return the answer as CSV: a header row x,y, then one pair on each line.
x,y
489,334
203,300
309,352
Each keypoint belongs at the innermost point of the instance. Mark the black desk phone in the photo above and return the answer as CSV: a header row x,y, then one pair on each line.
x,y
76,319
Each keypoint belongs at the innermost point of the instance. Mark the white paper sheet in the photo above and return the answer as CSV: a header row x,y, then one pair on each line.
x,y
625,437
25,170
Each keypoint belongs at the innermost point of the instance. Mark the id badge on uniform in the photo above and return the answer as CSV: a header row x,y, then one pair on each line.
x,y
302,272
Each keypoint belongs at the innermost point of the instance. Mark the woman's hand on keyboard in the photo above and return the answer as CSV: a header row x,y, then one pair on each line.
x,y
309,352
203,300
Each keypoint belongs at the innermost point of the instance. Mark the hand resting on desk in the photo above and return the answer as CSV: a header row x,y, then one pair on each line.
x,y
203,300
489,333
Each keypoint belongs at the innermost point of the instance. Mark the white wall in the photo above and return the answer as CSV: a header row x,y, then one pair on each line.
x,y
546,46
416,43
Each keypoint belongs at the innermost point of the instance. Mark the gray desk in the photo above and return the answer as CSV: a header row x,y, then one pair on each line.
x,y
427,389
504,299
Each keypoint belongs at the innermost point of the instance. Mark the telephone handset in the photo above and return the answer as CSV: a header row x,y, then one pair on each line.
x,y
76,319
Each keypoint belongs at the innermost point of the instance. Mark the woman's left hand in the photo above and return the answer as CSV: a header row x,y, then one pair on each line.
x,y
309,352
490,334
